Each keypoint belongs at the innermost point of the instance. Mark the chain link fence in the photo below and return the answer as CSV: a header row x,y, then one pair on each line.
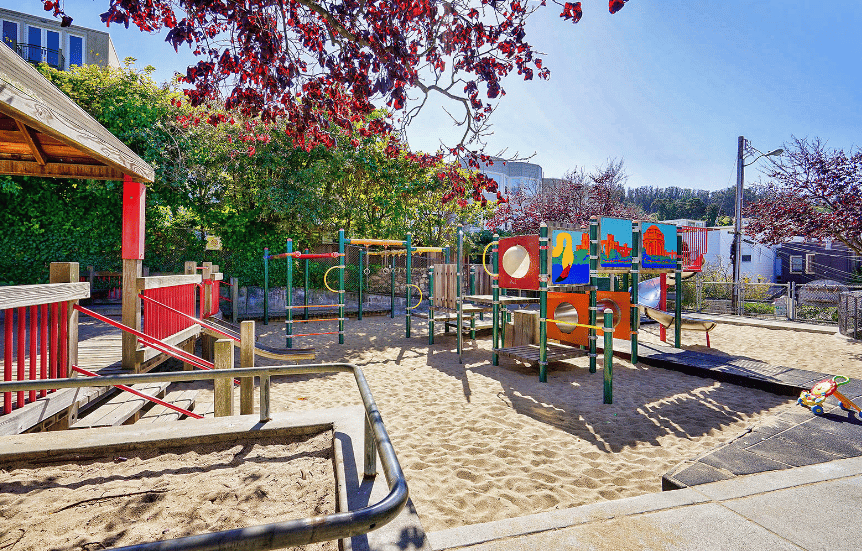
x,y
815,302
761,300
850,314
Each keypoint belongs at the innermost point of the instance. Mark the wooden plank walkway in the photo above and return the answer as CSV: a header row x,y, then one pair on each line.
x,y
529,353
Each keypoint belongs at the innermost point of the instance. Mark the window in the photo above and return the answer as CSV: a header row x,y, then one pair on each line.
x,y
746,258
10,34
76,50
52,52
34,39
809,264
796,264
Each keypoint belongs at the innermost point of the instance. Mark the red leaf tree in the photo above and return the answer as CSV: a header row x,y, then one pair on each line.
x,y
570,202
813,192
321,64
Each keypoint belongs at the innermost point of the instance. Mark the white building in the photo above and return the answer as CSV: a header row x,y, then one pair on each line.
x,y
758,261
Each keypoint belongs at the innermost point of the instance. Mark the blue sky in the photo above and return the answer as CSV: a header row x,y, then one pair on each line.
x,y
668,86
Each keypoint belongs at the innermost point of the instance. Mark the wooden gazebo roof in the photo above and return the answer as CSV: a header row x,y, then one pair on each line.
x,y
44,133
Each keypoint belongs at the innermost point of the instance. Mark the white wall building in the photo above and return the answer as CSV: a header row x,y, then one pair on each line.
x,y
758,261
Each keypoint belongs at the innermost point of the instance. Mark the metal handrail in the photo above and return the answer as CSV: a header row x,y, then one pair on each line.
x,y
26,51
276,535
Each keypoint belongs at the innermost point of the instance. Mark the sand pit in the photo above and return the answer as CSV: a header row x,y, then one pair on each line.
x,y
479,442
148,495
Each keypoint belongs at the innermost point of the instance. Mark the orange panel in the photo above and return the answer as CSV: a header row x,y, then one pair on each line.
x,y
574,307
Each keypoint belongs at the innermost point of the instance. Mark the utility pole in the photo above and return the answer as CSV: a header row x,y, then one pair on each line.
x,y
737,225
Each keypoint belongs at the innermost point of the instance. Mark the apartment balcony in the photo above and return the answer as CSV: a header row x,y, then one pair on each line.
x,y
36,54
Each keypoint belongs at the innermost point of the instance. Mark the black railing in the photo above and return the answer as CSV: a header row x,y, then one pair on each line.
x,y
40,54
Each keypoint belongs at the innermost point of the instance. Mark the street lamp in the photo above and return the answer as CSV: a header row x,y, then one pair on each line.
x,y
737,225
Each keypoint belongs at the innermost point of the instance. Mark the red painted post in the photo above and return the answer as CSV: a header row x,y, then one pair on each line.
x,y
52,342
22,343
43,347
34,313
7,357
662,305
134,203
64,340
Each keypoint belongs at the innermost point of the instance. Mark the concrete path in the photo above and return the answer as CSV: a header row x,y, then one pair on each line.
x,y
804,508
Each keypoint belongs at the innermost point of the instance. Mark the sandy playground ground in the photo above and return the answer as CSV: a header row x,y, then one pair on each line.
x,y
479,442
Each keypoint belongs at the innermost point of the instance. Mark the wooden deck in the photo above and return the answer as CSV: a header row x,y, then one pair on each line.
x,y
529,353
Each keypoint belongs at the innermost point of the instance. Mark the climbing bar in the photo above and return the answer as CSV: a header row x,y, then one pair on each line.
x,y
313,334
573,324
315,319
314,305
142,395
397,252
428,250
484,264
301,255
420,296
382,242
326,273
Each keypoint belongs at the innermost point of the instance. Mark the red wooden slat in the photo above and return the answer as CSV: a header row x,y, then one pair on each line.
x,y
33,336
22,343
7,358
64,339
52,342
43,346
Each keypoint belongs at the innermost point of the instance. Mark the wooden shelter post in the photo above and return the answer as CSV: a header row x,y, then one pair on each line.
x,y
134,203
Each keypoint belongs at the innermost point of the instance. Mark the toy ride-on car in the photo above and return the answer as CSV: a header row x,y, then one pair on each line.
x,y
815,397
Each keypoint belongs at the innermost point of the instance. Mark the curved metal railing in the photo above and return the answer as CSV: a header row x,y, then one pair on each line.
x,y
277,535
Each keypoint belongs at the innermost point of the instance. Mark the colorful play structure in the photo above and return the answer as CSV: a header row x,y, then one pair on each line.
x,y
384,248
572,296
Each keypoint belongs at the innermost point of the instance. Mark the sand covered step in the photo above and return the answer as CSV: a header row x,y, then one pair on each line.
x,y
122,407
162,414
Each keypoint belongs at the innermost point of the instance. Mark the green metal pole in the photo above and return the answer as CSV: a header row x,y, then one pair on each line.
x,y
636,267
495,308
594,282
392,286
361,274
409,263
677,320
266,286
543,303
288,297
609,356
446,254
431,305
341,266
305,288
459,263
473,292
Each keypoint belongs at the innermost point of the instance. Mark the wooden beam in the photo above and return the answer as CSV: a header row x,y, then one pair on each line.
x,y
30,139
59,170
31,295
156,282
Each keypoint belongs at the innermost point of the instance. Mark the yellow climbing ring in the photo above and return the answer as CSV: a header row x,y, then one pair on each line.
x,y
420,296
324,279
488,246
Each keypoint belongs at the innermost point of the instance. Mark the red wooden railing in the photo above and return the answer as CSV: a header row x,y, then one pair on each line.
x,y
215,291
45,328
160,322
694,243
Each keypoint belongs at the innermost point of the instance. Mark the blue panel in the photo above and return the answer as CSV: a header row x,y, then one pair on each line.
x,y
615,244
76,50
34,38
659,247
570,257
53,45
10,33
